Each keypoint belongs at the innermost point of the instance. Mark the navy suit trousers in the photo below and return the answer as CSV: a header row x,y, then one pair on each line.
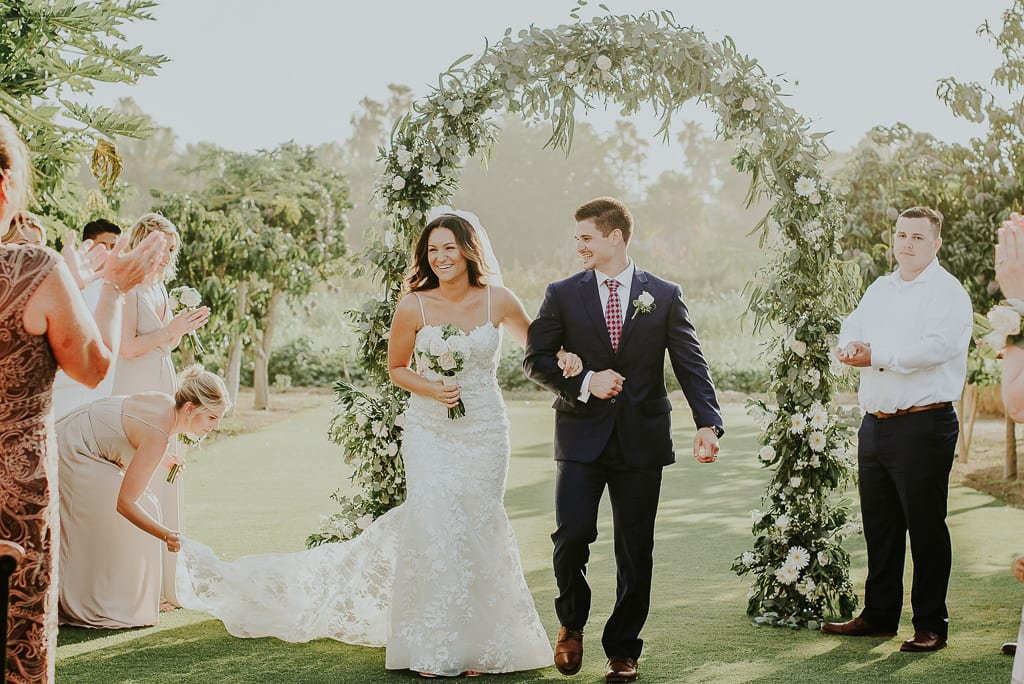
x,y
904,465
634,497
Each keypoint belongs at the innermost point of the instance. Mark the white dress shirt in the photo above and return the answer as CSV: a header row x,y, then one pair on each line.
x,y
919,331
625,279
68,394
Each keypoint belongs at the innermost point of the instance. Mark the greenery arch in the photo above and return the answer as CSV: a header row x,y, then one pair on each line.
x,y
800,571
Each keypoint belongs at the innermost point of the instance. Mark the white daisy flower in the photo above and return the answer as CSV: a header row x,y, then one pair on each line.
x,y
798,557
816,440
805,186
429,176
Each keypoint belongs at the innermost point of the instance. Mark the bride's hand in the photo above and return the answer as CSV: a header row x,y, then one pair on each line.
x,y
446,394
570,364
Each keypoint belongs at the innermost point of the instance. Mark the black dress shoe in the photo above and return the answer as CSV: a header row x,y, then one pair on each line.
x,y
858,626
924,641
621,670
1009,648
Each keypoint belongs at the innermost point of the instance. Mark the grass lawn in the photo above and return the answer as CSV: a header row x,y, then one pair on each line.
x,y
264,491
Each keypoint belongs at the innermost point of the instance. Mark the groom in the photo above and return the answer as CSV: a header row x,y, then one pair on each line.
x,y
612,422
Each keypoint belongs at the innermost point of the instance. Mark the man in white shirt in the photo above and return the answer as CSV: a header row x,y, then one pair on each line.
x,y
68,394
909,336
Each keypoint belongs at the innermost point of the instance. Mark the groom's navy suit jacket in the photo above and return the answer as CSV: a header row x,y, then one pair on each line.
x,y
571,316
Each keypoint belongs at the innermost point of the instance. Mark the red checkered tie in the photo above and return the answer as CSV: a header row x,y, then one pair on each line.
x,y
613,313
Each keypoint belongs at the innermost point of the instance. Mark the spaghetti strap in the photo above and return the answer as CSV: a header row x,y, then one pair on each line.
x,y
489,304
423,316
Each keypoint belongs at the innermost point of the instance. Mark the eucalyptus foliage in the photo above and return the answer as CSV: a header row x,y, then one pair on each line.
x,y
544,75
52,53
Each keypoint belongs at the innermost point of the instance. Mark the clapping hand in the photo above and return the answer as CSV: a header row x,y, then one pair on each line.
x,y
84,261
1010,257
125,270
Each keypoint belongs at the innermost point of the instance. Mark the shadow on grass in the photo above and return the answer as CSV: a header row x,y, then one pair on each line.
x,y
697,630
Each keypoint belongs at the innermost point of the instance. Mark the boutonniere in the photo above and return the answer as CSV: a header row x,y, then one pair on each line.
x,y
644,304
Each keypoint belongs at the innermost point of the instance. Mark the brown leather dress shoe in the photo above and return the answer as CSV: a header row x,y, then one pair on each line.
x,y
1009,648
621,670
858,626
569,650
924,641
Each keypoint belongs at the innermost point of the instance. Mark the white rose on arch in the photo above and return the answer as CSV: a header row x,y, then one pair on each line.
x,y
571,67
796,346
603,62
455,107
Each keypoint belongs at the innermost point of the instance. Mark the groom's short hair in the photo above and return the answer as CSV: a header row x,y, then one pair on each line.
x,y
608,214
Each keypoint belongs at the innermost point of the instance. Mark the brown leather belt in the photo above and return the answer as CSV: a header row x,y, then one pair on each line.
x,y
913,409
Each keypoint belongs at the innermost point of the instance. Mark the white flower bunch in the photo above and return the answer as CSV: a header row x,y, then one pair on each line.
x,y
1004,322
444,350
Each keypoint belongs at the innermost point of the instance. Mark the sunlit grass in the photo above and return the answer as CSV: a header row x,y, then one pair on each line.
x,y
264,492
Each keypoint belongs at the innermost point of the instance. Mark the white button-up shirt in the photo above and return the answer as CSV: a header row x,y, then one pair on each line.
x,y
625,279
919,331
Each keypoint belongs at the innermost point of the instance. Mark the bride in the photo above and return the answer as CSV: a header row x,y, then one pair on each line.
x,y
437,580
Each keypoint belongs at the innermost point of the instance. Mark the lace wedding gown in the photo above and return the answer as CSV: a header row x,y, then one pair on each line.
x,y
438,580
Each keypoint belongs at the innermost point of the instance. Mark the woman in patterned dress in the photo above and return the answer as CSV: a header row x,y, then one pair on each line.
x,y
43,324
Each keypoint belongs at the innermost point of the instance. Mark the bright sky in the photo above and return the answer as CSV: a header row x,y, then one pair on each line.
x,y
250,74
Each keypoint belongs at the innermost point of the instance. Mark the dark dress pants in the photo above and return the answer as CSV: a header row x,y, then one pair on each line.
x,y
634,497
904,465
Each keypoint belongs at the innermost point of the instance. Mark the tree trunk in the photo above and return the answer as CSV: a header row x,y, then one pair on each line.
x,y
1010,461
261,374
235,356
969,415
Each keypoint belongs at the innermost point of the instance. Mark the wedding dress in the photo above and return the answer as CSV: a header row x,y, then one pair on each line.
x,y
438,580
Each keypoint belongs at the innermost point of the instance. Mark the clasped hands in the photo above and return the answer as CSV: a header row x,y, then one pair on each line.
x,y
855,353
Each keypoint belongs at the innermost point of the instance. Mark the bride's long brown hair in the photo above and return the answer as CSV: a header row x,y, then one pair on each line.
x,y
422,277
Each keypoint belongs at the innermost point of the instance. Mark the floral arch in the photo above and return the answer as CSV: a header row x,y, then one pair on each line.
x,y
800,571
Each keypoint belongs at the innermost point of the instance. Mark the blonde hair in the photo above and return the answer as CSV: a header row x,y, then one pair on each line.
x,y
203,389
20,220
149,223
15,169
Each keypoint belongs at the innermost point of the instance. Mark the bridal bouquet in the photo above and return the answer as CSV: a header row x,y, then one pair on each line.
x,y
185,298
444,350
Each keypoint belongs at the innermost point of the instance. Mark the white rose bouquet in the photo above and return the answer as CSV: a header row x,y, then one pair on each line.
x,y
1000,328
185,298
444,350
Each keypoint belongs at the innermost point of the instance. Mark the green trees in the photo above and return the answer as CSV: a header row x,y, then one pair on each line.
x,y
265,227
51,54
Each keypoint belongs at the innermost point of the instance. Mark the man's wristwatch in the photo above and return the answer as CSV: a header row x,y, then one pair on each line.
x,y
717,429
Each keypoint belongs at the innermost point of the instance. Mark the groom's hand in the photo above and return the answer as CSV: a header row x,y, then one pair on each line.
x,y
606,384
705,445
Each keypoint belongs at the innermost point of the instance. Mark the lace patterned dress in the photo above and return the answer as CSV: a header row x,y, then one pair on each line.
x,y
28,469
438,580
